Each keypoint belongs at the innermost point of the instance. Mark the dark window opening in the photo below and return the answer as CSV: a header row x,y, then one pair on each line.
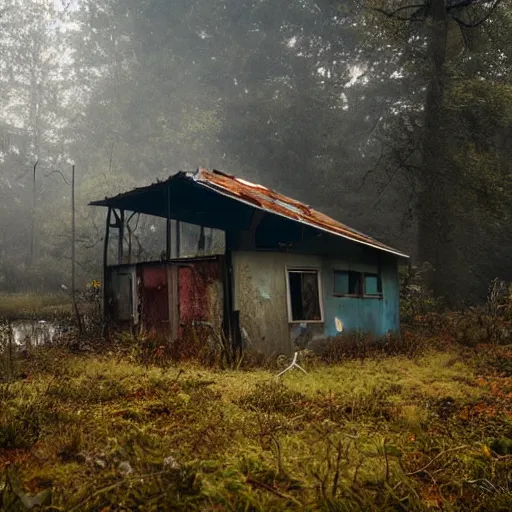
x,y
357,284
347,283
304,296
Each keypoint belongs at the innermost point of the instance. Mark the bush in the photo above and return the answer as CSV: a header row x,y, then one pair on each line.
x,y
25,414
358,345
415,300
490,323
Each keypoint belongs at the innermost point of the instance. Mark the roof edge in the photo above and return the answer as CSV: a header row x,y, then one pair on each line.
x,y
196,177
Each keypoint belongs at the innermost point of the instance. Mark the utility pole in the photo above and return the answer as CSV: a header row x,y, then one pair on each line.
x,y
33,227
73,252
73,244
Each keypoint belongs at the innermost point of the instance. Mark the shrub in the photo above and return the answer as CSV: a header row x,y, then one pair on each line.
x,y
416,301
25,414
358,345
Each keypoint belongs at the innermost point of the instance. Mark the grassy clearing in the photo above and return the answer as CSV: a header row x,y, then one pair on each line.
x,y
104,433
32,305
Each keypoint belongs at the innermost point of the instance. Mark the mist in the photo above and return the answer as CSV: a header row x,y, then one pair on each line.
x,y
324,101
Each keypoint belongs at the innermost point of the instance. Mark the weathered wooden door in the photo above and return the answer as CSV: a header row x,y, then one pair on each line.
x,y
155,300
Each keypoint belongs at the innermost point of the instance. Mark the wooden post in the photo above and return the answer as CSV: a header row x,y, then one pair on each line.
x,y
169,226
105,263
73,252
120,241
178,238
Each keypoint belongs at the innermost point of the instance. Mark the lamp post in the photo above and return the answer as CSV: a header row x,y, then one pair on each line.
x,y
73,245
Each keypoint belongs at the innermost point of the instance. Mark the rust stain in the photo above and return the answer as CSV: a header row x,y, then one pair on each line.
x,y
274,202
261,197
153,292
194,297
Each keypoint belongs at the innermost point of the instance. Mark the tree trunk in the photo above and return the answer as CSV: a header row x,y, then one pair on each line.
x,y
436,211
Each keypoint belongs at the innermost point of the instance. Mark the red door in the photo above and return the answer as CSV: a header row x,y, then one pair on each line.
x,y
155,300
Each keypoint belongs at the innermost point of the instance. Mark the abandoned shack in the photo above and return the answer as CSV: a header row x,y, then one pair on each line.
x,y
285,275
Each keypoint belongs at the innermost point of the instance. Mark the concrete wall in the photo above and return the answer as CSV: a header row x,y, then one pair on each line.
x,y
260,295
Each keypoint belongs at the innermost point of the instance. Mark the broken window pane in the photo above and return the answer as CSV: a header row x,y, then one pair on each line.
x,y
304,296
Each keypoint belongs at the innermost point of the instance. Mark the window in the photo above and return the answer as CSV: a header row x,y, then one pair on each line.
x,y
347,283
372,284
304,296
357,284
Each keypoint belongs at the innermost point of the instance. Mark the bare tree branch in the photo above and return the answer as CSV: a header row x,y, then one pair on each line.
x,y
423,9
413,17
480,21
58,172
392,14
460,5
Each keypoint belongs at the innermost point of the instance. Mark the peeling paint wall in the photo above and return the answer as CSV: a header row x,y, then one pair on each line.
x,y
200,294
171,296
154,299
260,294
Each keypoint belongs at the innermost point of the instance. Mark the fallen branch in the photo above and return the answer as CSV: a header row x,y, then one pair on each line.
x,y
439,455
111,487
256,483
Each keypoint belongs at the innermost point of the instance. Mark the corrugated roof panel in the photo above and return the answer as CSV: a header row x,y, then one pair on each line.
x,y
256,196
274,202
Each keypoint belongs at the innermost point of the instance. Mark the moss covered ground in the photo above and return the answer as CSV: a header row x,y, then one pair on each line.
x,y
104,433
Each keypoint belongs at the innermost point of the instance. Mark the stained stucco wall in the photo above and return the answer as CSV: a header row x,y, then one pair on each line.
x,y
260,296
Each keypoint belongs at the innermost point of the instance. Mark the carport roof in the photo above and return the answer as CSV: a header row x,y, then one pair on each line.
x,y
218,200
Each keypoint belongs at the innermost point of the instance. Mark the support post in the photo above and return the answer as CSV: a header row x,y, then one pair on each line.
x,y
120,242
169,227
105,263
73,252
178,238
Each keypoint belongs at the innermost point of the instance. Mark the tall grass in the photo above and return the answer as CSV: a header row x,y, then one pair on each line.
x,y
34,305
388,433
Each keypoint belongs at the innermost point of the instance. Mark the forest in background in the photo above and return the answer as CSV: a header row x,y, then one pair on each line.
x,y
391,116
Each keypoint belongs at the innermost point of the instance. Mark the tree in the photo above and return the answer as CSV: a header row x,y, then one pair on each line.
x,y
33,86
444,30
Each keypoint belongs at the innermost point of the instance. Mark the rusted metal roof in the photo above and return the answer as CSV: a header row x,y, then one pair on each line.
x,y
256,196
273,202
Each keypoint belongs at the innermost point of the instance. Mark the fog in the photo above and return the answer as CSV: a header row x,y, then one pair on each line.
x,y
335,103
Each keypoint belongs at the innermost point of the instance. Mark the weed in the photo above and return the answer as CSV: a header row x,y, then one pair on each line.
x,y
108,432
274,397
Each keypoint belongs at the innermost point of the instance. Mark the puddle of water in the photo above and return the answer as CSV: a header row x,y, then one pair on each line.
x,y
33,334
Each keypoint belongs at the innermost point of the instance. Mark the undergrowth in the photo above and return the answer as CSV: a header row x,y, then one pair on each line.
x,y
105,432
